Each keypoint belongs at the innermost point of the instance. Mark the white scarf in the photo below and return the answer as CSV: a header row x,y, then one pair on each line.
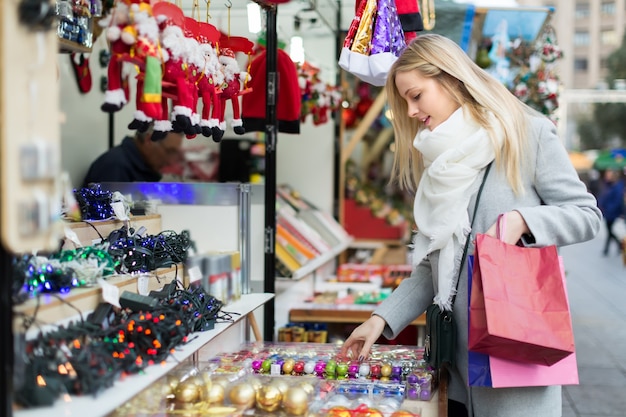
x,y
454,153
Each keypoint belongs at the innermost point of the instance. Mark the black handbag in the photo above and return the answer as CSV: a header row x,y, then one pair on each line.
x,y
441,332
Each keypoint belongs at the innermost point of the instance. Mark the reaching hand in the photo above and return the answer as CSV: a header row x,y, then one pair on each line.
x,y
362,338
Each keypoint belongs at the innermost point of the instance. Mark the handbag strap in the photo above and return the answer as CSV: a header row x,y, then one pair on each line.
x,y
469,235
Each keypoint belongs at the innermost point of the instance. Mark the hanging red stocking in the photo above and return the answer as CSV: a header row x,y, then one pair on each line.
x,y
82,74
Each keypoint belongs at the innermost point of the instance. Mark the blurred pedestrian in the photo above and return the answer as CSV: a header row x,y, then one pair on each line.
x,y
611,202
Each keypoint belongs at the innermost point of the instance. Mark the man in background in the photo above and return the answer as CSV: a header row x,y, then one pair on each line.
x,y
136,159
611,203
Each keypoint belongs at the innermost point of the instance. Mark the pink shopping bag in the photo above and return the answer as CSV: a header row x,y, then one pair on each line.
x,y
489,371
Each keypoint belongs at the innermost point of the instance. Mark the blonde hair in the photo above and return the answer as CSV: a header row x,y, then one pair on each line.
x,y
435,56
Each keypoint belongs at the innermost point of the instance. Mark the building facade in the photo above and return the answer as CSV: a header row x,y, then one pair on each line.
x,y
587,31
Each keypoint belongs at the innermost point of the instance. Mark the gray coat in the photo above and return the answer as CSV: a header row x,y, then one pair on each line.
x,y
558,210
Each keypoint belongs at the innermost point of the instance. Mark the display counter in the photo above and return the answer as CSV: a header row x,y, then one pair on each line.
x,y
295,379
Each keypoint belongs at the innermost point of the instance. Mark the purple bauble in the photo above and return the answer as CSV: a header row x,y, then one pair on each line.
x,y
256,365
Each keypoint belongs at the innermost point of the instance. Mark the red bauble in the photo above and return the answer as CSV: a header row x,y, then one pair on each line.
x,y
349,117
363,106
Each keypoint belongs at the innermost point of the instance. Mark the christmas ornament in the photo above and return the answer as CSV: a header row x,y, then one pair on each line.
x,y
82,74
296,401
410,17
402,413
339,411
242,395
216,394
268,398
288,103
307,387
387,40
281,384
189,391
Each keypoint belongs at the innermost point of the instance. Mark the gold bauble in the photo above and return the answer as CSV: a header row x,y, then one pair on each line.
x,y
216,394
268,398
188,392
242,395
296,401
221,380
338,411
255,382
220,411
208,385
288,366
281,384
402,413
369,412
308,387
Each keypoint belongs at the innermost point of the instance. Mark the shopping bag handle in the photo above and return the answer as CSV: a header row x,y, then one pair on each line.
x,y
501,227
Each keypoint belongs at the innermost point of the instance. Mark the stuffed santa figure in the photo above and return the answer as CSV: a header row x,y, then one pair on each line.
x,y
116,95
179,83
231,87
146,51
210,94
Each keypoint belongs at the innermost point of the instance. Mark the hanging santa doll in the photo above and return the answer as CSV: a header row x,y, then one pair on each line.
x,y
234,80
178,84
133,35
210,94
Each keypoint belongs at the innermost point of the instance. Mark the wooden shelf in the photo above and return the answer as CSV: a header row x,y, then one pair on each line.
x,y
338,313
87,234
67,46
124,390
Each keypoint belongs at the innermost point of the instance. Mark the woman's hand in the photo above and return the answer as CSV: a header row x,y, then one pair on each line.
x,y
515,227
362,338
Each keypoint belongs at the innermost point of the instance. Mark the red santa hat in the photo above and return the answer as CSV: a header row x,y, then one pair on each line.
x,y
288,102
410,18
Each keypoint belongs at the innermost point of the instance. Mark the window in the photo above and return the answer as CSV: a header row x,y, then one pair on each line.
x,y
582,11
580,64
608,8
604,63
581,38
608,37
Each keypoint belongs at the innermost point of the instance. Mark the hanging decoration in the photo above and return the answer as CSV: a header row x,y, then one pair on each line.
x,y
82,73
233,81
374,41
410,18
288,103
537,82
428,14
180,61
318,97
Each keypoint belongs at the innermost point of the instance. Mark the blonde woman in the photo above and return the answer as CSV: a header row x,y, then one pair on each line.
x,y
451,120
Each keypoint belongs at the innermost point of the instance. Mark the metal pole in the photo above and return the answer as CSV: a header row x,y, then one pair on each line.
x,y
6,349
111,130
271,130
244,235
337,188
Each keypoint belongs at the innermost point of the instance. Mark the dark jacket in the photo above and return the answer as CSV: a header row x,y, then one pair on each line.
x,y
611,201
123,163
